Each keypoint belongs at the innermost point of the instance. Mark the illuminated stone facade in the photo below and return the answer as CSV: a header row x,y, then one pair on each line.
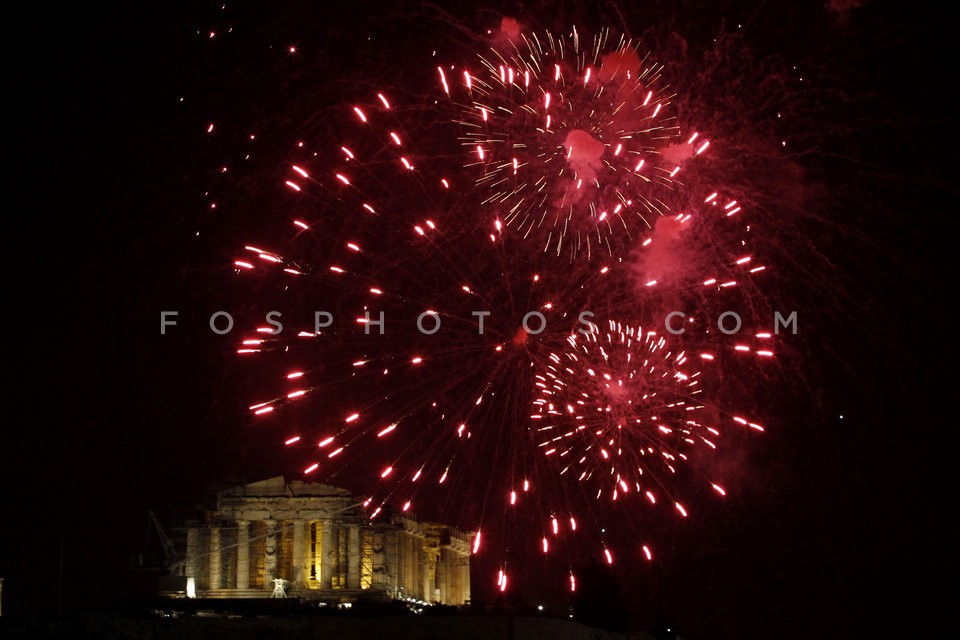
x,y
317,538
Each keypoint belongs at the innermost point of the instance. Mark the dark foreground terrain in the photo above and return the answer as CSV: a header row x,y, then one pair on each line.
x,y
219,627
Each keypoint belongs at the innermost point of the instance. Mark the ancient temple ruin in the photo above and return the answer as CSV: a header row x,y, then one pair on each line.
x,y
318,540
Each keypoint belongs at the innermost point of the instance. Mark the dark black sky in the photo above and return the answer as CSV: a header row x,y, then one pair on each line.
x,y
843,527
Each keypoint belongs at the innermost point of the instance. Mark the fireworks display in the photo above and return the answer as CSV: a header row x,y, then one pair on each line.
x,y
619,408
436,364
639,301
576,146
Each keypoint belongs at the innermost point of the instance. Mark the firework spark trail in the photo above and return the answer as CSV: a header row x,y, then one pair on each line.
x,y
401,418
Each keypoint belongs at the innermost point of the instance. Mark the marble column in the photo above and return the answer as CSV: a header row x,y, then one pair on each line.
x,y
193,550
271,550
353,558
214,558
298,564
453,580
328,554
243,554
426,584
442,586
391,548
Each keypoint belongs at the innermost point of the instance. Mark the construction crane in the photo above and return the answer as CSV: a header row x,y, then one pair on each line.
x,y
173,560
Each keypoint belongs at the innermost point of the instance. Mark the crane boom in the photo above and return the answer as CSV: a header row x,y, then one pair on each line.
x,y
169,551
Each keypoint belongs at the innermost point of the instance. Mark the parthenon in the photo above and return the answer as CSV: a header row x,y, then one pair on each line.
x,y
317,538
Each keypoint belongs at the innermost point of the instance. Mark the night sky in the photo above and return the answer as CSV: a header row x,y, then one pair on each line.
x,y
839,521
